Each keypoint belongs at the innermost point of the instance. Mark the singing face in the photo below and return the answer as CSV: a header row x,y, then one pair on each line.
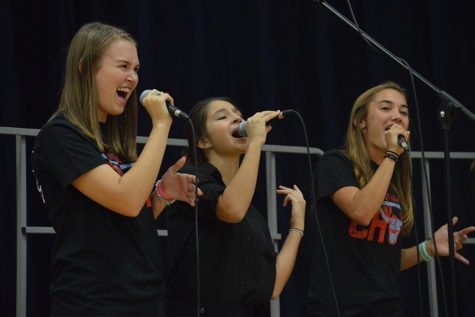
x,y
116,78
221,124
388,108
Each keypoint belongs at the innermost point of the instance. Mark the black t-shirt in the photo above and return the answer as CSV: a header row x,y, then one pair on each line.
x,y
237,261
104,264
365,261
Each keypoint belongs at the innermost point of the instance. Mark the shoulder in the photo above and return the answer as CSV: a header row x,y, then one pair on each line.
x,y
205,172
335,157
60,131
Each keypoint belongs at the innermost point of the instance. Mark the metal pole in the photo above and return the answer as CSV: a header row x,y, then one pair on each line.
x,y
431,276
272,216
21,223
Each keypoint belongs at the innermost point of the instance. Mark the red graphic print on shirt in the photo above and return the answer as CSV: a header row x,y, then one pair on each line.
x,y
389,217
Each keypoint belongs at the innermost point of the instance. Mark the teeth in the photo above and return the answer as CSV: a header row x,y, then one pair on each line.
x,y
126,90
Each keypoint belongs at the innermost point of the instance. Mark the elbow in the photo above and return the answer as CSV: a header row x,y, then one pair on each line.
x,y
275,295
361,219
130,208
230,215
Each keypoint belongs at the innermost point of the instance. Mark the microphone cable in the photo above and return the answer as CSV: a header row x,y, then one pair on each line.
x,y
424,174
197,238
314,210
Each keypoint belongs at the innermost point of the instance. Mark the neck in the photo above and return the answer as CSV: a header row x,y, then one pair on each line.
x,y
375,155
227,166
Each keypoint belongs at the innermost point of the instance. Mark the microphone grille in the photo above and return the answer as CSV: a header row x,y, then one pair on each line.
x,y
242,129
144,94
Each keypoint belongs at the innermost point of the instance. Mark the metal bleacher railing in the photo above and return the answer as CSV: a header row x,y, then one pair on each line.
x,y
23,230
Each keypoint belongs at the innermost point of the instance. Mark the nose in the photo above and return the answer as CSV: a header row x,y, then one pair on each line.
x,y
133,77
396,116
237,119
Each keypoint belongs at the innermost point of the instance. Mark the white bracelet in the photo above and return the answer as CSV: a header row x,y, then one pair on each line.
x,y
160,194
423,252
298,230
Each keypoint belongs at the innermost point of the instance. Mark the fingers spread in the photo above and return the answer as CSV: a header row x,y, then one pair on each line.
x,y
461,258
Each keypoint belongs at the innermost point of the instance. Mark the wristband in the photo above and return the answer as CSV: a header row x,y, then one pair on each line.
x,y
423,252
161,194
392,155
298,230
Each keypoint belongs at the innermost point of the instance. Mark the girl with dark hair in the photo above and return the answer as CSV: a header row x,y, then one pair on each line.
x,y
239,269
364,203
105,256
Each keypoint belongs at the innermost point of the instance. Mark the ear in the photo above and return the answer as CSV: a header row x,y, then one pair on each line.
x,y
362,123
80,66
204,144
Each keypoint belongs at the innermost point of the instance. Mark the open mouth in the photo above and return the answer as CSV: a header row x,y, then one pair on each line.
x,y
236,134
123,93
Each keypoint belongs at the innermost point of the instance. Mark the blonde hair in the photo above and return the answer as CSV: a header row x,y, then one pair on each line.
x,y
356,151
79,97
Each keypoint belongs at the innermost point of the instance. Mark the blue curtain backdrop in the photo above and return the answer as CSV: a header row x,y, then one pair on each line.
x,y
264,55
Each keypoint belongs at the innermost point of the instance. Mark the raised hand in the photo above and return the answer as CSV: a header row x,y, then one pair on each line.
x,y
180,186
442,241
295,197
256,126
391,136
156,105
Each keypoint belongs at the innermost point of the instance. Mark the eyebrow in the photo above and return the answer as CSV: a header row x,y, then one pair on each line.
x,y
218,112
126,62
390,102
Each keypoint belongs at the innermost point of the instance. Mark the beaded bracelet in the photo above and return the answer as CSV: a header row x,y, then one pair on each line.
x,y
423,252
161,194
298,230
392,155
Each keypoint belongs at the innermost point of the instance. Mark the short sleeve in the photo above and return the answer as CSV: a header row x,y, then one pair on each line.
x,y
65,154
334,171
210,185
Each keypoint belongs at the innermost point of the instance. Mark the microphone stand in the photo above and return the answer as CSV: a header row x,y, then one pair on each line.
x,y
450,107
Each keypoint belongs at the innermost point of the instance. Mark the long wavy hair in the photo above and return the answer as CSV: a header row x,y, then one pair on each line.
x,y
198,115
356,151
79,96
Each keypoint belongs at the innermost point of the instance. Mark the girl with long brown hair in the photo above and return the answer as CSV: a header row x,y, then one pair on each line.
x,y
364,203
105,257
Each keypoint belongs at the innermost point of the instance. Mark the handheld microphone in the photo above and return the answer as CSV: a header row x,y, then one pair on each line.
x,y
174,111
243,125
402,143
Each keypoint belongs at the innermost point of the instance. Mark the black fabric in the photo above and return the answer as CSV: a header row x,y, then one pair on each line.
x,y
104,264
471,193
237,261
264,55
365,261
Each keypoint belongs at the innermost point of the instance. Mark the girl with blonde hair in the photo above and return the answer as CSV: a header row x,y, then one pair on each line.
x,y
364,203
105,258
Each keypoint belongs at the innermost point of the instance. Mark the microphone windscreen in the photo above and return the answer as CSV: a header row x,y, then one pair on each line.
x,y
242,129
144,94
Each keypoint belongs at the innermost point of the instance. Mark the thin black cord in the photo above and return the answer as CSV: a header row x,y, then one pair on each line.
x,y
197,238
314,210
424,174
423,160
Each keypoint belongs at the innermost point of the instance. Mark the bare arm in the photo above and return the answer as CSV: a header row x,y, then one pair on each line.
x,y
176,186
409,256
286,258
360,205
233,204
127,194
